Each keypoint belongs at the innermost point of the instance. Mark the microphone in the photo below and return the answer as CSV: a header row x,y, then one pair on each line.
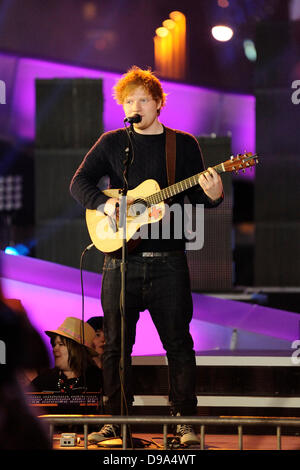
x,y
133,119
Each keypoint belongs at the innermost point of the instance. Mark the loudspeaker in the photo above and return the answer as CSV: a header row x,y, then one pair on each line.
x,y
53,173
211,266
68,122
62,240
277,253
277,121
277,234
275,55
277,191
68,113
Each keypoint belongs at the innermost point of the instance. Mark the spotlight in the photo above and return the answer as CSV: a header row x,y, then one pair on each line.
x,y
17,250
222,33
250,50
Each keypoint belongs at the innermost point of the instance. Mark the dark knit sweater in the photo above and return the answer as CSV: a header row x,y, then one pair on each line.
x,y
105,159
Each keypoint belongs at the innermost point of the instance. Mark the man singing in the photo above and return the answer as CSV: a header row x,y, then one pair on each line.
x,y
157,276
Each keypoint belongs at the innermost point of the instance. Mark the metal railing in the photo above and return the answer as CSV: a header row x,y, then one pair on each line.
x,y
165,421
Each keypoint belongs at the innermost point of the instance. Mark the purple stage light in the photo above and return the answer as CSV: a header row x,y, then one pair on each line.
x,y
193,109
50,292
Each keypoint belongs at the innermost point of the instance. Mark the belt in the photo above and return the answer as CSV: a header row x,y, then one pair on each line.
x,y
159,254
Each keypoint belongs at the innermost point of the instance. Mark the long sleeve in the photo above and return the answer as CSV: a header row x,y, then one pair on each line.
x,y
84,185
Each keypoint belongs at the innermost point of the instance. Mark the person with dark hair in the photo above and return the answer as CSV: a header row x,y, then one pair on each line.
x,y
74,370
99,340
157,276
20,427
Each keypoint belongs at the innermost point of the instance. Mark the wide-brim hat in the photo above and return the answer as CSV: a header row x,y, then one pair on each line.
x,y
73,328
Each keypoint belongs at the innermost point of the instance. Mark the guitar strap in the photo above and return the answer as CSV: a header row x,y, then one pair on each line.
x,y
170,155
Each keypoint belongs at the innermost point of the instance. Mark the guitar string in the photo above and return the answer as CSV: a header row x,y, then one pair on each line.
x,y
183,185
174,189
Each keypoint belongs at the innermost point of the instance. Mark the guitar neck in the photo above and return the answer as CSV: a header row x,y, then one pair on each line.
x,y
179,187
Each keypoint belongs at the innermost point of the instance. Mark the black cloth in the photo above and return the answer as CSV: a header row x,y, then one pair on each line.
x,y
48,381
162,286
105,159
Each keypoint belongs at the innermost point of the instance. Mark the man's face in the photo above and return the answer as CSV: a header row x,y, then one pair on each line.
x,y
139,101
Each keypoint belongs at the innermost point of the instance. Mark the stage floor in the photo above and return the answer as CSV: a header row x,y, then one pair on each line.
x,y
213,442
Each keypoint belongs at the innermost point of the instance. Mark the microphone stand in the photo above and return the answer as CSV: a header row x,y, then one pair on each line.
x,y
123,267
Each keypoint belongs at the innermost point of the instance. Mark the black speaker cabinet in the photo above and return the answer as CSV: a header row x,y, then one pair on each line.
x,y
277,190
62,240
68,122
68,113
211,266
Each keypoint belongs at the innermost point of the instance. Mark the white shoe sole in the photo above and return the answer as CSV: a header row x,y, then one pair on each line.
x,y
189,439
95,437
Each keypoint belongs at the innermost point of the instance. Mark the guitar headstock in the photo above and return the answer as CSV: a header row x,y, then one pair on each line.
x,y
241,162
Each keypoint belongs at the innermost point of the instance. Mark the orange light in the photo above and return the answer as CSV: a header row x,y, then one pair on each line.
x,y
179,43
162,32
169,24
158,53
177,16
161,45
170,46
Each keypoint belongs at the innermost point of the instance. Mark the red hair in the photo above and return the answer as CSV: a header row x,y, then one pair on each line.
x,y
136,77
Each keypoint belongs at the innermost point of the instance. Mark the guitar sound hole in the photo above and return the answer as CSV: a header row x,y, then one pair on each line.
x,y
137,208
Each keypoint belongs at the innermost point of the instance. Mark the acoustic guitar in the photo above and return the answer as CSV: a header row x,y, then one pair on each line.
x,y
147,207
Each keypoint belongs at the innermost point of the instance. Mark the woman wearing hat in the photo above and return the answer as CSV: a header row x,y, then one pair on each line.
x,y
74,371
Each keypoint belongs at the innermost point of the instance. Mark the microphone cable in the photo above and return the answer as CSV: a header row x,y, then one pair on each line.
x,y
87,248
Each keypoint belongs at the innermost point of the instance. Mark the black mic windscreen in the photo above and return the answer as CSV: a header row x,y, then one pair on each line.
x,y
133,119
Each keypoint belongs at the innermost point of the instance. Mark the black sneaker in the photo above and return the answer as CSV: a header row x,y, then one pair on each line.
x,y
186,434
108,431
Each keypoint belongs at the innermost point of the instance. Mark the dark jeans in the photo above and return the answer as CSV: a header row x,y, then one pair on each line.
x,y
162,286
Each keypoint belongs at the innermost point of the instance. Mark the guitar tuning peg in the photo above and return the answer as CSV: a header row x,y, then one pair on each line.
x,y
232,157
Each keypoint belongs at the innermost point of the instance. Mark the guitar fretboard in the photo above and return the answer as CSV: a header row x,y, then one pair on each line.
x,y
177,188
